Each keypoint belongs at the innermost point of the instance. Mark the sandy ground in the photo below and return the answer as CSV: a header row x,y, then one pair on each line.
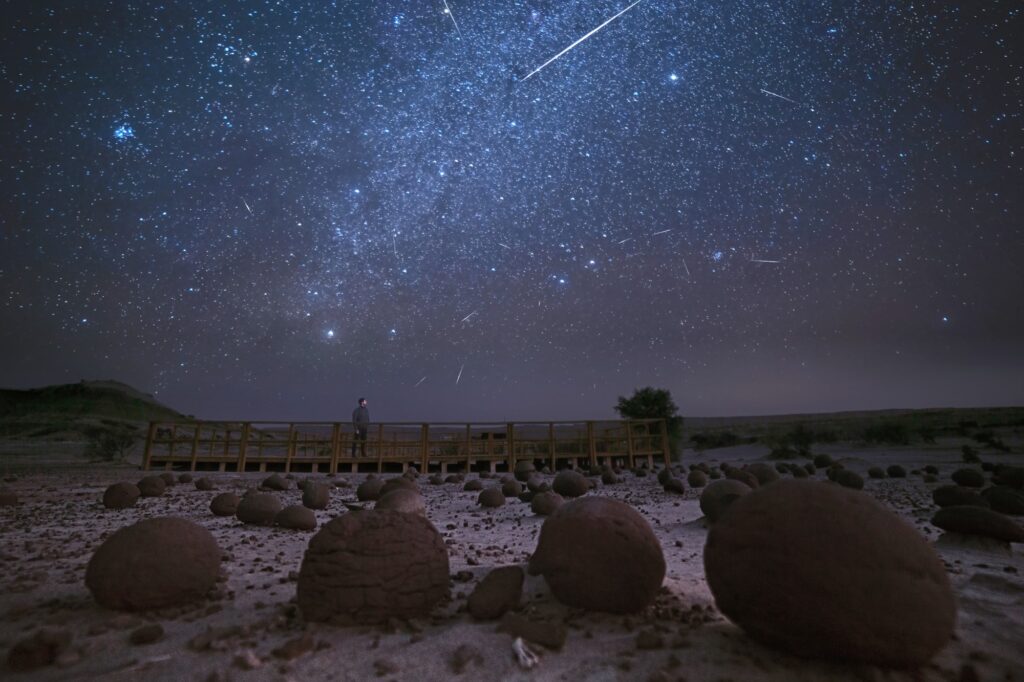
x,y
46,541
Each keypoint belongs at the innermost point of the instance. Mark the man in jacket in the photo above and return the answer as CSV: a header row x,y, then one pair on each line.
x,y
360,427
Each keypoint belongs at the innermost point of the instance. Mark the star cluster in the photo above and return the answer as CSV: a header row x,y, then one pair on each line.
x,y
270,208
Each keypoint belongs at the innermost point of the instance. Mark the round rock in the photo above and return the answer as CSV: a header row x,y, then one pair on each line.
x,y
823,571
511,488
957,495
765,473
491,497
719,495
1004,499
225,504
316,495
600,554
569,483
259,509
498,592
275,482
849,479
396,483
969,477
546,503
121,495
402,500
153,564
152,486
204,483
296,517
697,479
369,489
524,469
369,566
473,484
978,521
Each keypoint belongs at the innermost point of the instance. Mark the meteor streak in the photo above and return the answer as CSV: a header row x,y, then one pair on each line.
x,y
783,97
460,374
448,11
247,206
606,22
760,260
662,232
419,382
466,318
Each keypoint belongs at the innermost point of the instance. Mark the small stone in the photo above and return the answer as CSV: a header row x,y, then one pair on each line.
x,y
498,592
147,634
121,496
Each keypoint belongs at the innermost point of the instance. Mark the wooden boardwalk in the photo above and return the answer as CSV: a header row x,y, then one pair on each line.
x,y
327,446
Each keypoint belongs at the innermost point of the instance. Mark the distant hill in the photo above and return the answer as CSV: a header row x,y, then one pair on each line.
x,y
64,412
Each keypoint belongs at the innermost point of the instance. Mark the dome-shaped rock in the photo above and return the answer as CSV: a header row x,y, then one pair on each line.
x,y
674,485
569,483
225,504
151,486
498,592
511,488
957,495
121,495
717,497
849,479
697,479
369,489
369,566
765,473
823,571
491,497
402,500
169,479
978,521
184,478
524,469
969,477
296,517
276,482
259,509
316,495
204,483
599,553
153,564
545,503
473,484
743,476
1004,499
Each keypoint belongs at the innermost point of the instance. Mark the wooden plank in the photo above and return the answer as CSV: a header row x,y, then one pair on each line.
x,y
292,435
591,446
242,446
335,447
510,435
195,446
424,449
147,453
551,445
666,453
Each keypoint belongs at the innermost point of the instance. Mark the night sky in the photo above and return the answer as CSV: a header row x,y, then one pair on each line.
x,y
269,209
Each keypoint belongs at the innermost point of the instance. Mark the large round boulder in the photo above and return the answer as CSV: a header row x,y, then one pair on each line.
x,y
491,497
316,495
121,495
978,521
225,504
546,503
369,489
396,483
153,564
697,478
570,483
824,571
717,497
402,500
524,469
204,483
258,509
599,553
296,517
369,566
511,488
765,473
969,477
1004,499
957,495
151,486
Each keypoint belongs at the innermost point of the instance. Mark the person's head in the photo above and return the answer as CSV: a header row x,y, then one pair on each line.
x,y
362,402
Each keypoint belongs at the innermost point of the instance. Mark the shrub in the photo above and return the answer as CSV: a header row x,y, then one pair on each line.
x,y
109,443
892,433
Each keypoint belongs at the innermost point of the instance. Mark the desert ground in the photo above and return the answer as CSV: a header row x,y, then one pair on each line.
x,y
250,627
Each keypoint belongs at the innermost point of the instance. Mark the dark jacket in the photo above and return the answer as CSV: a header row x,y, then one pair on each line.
x,y
360,417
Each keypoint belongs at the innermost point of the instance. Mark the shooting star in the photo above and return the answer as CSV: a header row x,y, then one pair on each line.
x,y
419,382
394,245
505,246
761,260
466,318
783,97
627,239
247,206
685,267
607,21
460,374
662,232
448,11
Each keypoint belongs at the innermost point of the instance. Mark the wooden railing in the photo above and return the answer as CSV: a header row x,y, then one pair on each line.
x,y
329,446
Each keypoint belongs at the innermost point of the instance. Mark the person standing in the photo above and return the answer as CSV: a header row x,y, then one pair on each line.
x,y
360,427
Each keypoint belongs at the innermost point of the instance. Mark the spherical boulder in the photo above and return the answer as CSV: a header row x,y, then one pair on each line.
x,y
849,479
511,488
674,485
876,472
402,500
121,495
764,473
473,484
1004,499
276,482
204,483
697,479
969,477
184,478
743,476
608,477
316,495
369,489
151,486
296,517
545,503
258,510
537,484
225,504
896,471
1012,477
798,471
524,469
978,521
599,553
498,592
153,564
369,566
169,479
396,483
823,571
491,497
570,483
957,495
719,495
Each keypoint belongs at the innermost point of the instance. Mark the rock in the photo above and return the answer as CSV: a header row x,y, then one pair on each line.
x,y
316,495
259,510
1004,499
412,472
8,498
537,484
743,477
435,479
121,495
149,633
697,479
664,475
600,554
719,495
608,477
822,461
38,650
524,469
810,469
295,647
930,478
473,485
569,483
969,477
369,489
151,486
511,488
402,500
823,571
454,478
876,472
152,564
833,471
397,483
498,592
491,497
674,485
184,478
1012,477
275,482
957,495
225,504
545,503
526,497
295,517
168,479
369,566
204,483
896,471
849,479
549,634
978,521
764,473
463,656
931,469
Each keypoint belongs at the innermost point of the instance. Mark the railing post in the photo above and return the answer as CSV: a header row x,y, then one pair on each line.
x,y
510,434
380,448
666,453
551,445
242,445
629,443
147,453
424,448
591,452
335,447
292,436
469,448
170,451
195,445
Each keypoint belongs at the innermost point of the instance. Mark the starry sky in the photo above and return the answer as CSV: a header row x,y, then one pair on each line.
x,y
268,209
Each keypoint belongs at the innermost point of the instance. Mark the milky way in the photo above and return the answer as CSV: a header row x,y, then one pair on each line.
x,y
267,209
